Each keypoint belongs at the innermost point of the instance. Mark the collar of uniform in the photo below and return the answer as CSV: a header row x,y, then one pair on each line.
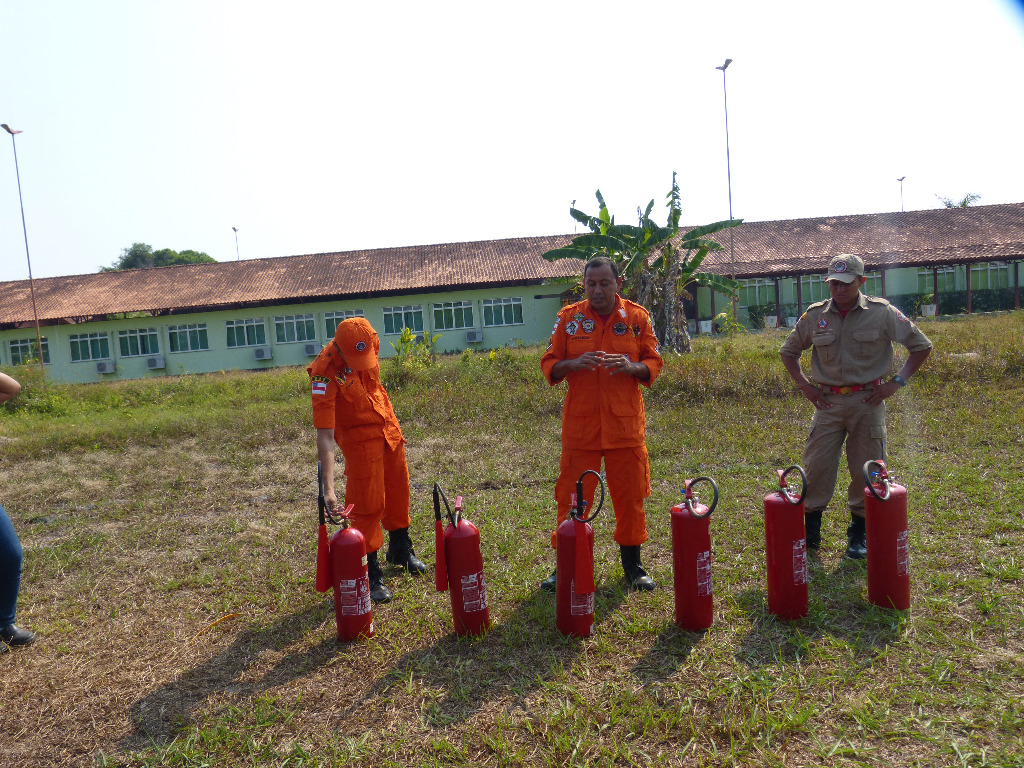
x,y
862,302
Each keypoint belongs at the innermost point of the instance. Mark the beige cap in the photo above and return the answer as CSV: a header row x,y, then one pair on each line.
x,y
845,268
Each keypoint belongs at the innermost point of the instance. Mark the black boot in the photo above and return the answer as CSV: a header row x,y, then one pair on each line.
x,y
378,592
635,573
400,552
812,522
857,549
550,583
14,636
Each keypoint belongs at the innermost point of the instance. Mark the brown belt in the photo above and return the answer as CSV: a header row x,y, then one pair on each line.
x,y
849,390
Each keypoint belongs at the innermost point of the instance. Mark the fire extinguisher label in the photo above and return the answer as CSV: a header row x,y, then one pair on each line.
x,y
474,592
902,553
800,562
355,596
580,605
704,586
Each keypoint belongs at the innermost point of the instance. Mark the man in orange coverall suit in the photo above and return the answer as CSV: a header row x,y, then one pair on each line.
x,y
351,408
606,348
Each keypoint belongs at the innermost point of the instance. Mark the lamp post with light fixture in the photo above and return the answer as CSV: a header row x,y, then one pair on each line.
x,y
24,229
235,230
900,180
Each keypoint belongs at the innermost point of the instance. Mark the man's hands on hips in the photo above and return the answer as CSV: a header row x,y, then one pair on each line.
x,y
882,392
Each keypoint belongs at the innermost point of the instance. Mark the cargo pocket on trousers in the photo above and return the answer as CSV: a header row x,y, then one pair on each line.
x,y
878,437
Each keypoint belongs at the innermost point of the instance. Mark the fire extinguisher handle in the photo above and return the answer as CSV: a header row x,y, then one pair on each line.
x,y
785,490
688,490
578,513
875,473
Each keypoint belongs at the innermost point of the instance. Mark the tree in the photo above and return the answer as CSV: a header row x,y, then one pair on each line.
x,y
658,264
142,256
965,202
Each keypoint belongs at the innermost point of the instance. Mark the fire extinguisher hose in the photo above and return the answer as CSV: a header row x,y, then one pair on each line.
x,y
441,566
875,475
579,512
688,490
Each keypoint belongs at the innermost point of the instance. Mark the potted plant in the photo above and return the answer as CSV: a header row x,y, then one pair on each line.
x,y
927,305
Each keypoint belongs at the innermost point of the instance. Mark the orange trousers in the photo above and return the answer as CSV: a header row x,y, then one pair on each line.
x,y
377,483
628,477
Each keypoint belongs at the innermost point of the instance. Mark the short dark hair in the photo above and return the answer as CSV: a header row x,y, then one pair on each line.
x,y
601,261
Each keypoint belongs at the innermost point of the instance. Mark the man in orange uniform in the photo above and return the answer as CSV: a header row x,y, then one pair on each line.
x,y
351,408
605,348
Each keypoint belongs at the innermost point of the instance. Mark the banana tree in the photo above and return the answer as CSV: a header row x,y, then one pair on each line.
x,y
658,263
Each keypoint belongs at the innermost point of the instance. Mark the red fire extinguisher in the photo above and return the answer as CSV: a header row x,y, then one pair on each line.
x,y
691,558
575,588
460,568
888,538
786,548
341,563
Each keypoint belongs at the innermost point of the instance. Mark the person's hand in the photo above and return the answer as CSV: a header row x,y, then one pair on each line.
x,y
331,499
815,395
619,364
588,361
881,393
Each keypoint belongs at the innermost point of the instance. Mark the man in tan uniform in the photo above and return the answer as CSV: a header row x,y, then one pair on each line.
x,y
851,336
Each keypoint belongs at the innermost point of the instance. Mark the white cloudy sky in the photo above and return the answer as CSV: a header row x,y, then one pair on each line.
x,y
331,126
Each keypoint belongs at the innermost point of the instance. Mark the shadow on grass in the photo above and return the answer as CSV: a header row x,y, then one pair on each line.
x,y
160,715
457,676
837,609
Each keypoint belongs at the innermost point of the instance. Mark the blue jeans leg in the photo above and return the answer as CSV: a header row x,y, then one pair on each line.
x,y
10,569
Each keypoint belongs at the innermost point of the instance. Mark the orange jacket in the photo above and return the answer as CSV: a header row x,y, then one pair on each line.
x,y
352,403
603,411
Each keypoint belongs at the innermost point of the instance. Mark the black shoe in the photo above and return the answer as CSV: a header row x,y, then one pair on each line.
x,y
400,552
379,593
14,636
812,524
635,573
857,549
550,583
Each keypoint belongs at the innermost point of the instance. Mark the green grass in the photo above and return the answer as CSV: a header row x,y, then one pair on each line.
x,y
152,510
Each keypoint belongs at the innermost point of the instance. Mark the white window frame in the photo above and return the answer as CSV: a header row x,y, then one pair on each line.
x,y
997,270
177,333
251,329
333,319
302,328
23,351
758,284
498,309
453,315
92,343
926,280
402,315
147,342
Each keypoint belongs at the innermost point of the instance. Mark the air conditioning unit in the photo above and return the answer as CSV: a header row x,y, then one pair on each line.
x,y
263,353
155,363
312,348
474,337
106,367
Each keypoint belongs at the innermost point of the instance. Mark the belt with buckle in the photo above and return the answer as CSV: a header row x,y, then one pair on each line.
x,y
849,390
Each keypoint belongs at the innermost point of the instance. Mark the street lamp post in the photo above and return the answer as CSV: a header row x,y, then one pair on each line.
x,y
900,180
728,175
235,230
24,229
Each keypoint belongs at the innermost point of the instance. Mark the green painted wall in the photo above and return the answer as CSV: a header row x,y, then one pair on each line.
x,y
539,303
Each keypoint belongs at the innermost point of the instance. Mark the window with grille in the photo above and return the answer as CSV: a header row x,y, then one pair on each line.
x,y
187,338
295,328
89,346
138,341
24,351
453,315
246,333
397,318
507,311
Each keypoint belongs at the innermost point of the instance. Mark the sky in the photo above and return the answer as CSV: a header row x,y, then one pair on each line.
x,y
333,126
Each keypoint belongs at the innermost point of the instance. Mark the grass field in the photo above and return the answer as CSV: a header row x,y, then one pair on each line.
x,y
169,528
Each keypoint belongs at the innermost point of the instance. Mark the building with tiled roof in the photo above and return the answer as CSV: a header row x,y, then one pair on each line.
x,y
280,311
